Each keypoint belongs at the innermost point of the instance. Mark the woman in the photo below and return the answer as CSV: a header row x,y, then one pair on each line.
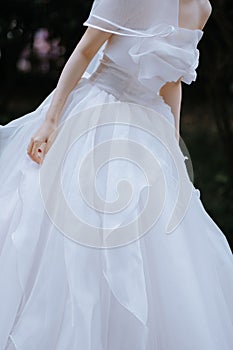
x,y
109,277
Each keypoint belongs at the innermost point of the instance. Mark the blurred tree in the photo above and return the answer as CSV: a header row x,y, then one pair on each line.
x,y
23,25
217,73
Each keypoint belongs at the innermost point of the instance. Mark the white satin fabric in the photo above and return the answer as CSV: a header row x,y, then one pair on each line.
x,y
161,292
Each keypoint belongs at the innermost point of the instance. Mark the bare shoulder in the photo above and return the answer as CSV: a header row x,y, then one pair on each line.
x,y
206,7
194,14
205,12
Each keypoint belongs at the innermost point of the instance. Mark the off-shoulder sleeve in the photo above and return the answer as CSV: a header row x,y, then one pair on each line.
x,y
158,60
149,44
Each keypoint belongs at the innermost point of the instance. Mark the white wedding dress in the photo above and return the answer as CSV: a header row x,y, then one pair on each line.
x,y
161,291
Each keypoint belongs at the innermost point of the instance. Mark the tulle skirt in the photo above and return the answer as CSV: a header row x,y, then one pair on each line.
x,y
64,283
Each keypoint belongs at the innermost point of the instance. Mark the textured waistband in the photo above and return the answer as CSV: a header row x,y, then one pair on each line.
x,y
118,82
111,78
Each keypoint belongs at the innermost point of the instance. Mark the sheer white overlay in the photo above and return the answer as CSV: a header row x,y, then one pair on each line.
x,y
160,292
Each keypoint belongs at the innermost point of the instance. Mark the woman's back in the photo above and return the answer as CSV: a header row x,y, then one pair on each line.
x,y
135,68
115,177
171,38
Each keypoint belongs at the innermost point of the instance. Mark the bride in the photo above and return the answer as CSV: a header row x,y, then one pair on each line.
x,y
83,267
192,14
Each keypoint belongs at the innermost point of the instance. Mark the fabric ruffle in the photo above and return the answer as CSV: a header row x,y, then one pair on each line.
x,y
164,59
57,294
160,30
156,60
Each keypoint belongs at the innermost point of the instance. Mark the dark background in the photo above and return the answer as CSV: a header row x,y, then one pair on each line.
x,y
36,39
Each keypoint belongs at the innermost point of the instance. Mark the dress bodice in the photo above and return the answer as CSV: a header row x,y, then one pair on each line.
x,y
135,68
153,61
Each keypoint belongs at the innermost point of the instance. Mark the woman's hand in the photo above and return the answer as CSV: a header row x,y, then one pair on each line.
x,y
82,55
41,141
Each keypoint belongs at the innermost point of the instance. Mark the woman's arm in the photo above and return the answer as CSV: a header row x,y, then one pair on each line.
x,y
172,95
86,49
88,46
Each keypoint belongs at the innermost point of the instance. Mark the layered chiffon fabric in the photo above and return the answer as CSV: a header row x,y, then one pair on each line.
x,y
158,290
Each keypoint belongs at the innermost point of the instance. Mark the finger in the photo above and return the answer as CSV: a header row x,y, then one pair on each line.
x,y
36,145
42,147
34,150
29,148
31,145
50,141
35,158
35,154
48,146
41,151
